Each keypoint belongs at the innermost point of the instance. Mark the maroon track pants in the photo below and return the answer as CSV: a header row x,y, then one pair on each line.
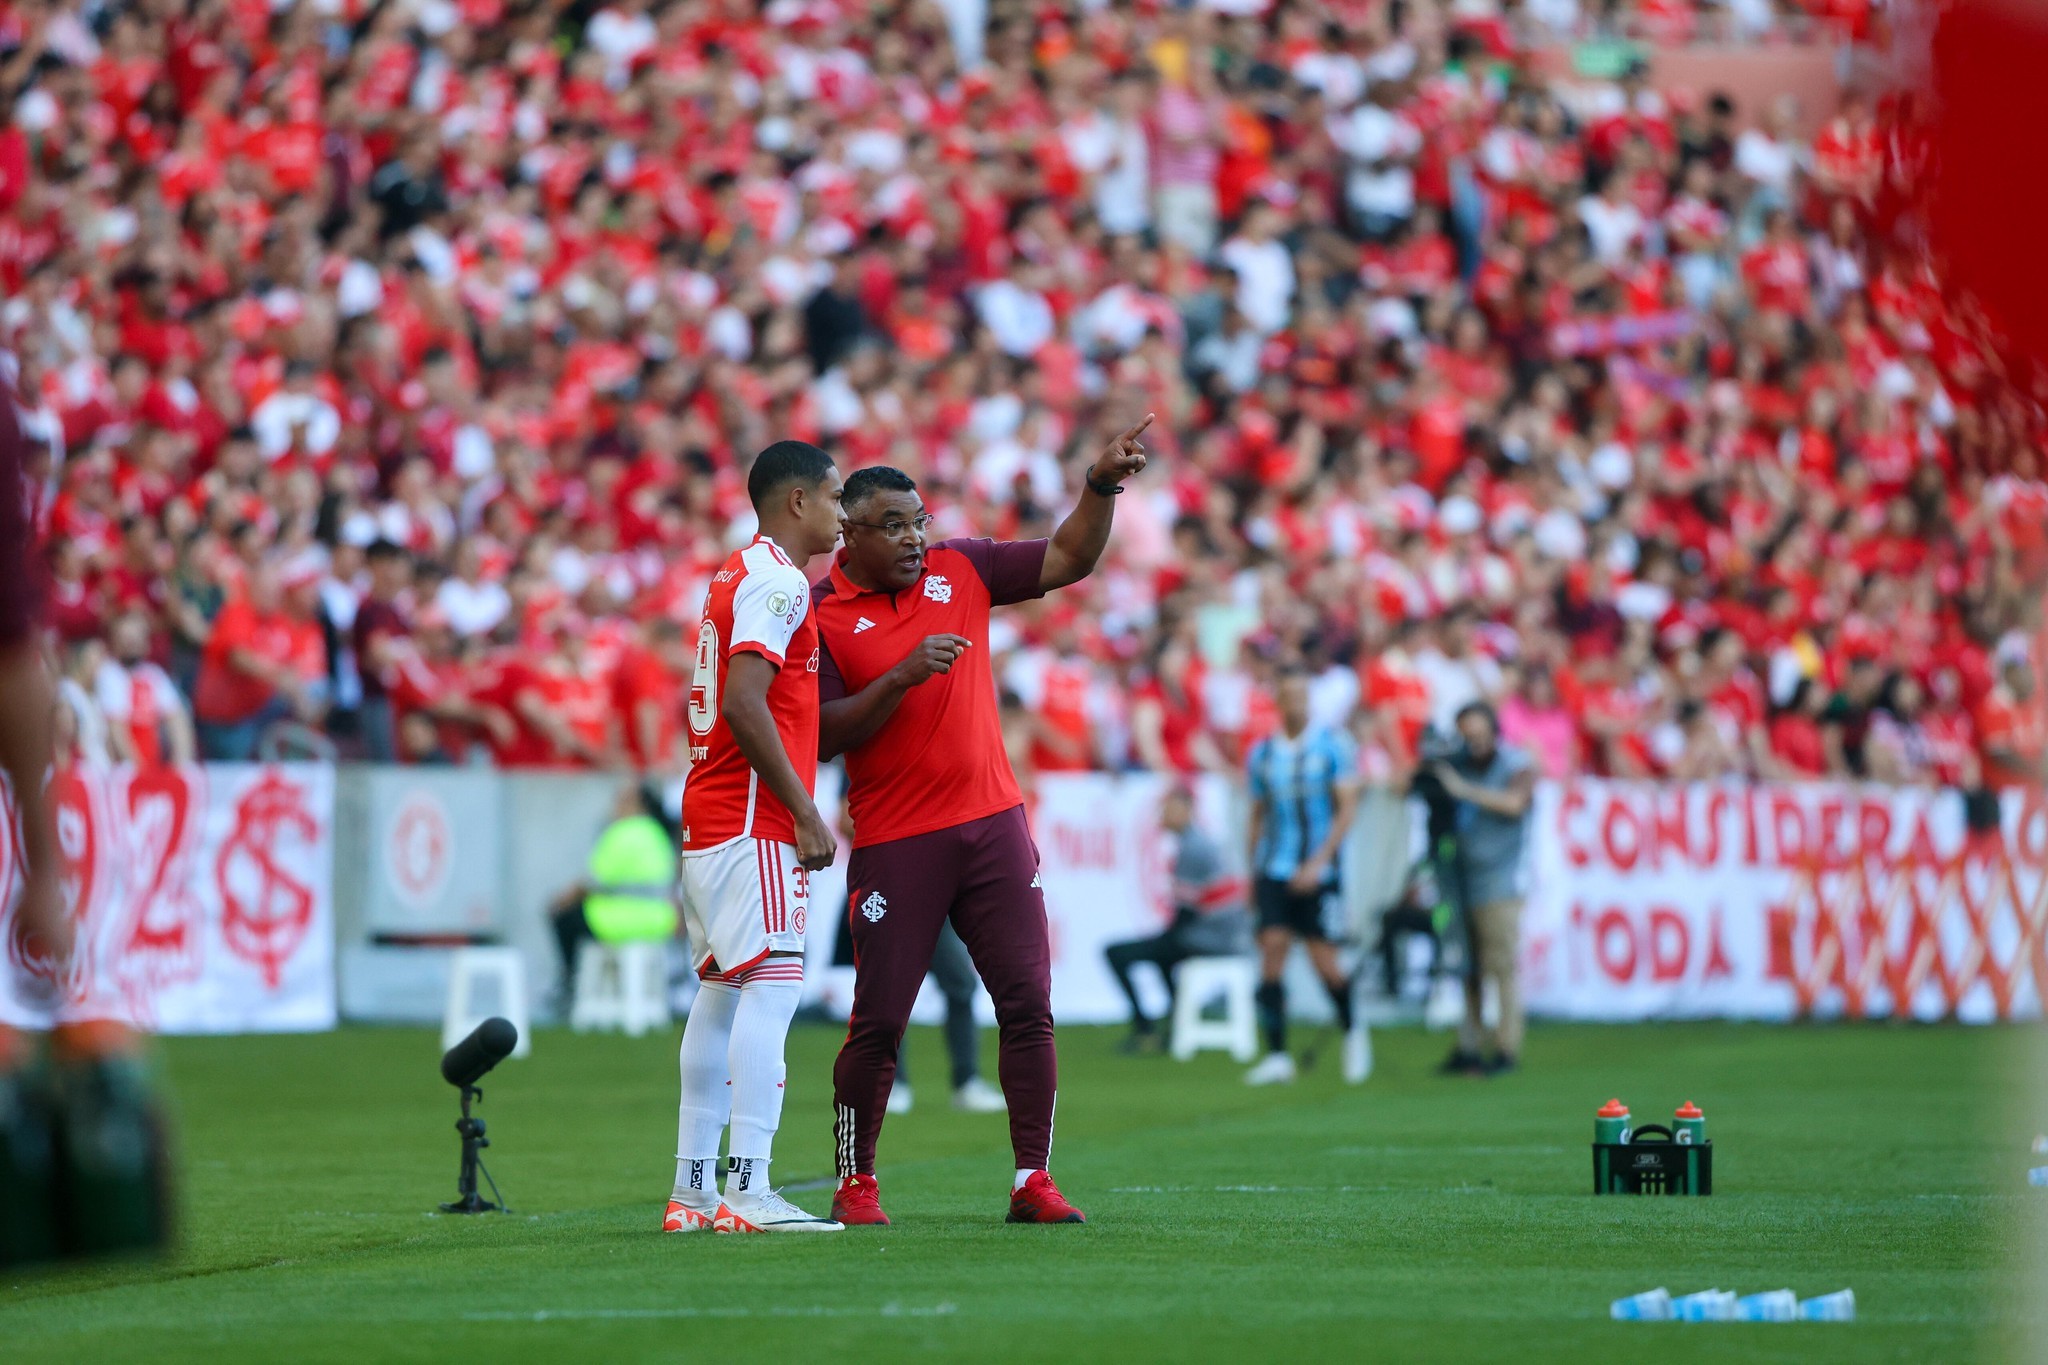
x,y
983,875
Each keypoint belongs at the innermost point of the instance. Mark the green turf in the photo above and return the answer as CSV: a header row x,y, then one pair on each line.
x,y
1411,1219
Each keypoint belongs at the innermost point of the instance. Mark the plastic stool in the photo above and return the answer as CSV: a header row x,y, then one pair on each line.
x,y
1195,984
621,986
483,982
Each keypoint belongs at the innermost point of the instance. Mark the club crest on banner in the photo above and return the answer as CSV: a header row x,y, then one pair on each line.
x,y
266,910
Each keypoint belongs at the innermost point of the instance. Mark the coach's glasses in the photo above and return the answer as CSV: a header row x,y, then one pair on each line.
x,y
896,528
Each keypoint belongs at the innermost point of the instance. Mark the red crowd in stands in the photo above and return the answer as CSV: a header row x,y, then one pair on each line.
x,y
394,368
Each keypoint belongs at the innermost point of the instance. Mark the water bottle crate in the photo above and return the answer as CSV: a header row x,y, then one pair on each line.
x,y
1651,1162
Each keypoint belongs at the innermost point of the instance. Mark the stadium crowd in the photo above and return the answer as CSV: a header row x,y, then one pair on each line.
x,y
394,368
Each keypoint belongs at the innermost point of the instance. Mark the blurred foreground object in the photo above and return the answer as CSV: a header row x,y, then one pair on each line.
x,y
84,1164
1985,195
83,1169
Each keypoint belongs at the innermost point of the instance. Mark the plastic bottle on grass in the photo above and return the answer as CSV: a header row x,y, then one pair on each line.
x,y
1709,1305
1839,1306
1652,1305
1773,1305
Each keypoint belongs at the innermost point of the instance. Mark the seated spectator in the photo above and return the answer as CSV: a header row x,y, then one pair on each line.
x,y
1951,733
1797,749
1167,727
81,730
1704,752
264,662
1454,670
1845,720
1897,748
148,723
473,603
653,677
376,632
563,702
2011,730
1208,914
434,698
1535,720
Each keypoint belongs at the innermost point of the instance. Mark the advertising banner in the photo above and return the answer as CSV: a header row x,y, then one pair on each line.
x,y
1783,901
434,850
201,901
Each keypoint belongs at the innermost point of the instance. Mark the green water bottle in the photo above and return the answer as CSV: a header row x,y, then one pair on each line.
x,y
1611,1123
1689,1124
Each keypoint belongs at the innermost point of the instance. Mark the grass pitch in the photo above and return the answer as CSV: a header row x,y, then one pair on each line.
x,y
1412,1219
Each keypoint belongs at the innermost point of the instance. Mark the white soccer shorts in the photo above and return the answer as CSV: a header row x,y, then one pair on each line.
x,y
742,901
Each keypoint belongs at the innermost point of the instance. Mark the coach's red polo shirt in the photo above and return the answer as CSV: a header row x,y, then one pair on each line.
x,y
939,760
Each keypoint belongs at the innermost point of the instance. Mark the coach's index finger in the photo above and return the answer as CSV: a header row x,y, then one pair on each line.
x,y
1135,432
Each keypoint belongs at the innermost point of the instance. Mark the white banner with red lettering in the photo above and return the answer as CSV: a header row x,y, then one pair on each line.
x,y
1103,860
1782,901
201,899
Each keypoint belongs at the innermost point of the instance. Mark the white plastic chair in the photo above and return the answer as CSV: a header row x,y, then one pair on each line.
x,y
1197,982
621,986
483,982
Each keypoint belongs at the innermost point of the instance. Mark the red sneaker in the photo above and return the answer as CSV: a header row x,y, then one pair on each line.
x,y
859,1203
1038,1200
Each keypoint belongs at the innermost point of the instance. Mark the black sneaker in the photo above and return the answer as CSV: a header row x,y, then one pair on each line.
x,y
1462,1063
1502,1065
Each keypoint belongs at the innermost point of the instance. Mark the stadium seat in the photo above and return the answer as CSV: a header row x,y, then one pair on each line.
x,y
483,982
621,986
1197,982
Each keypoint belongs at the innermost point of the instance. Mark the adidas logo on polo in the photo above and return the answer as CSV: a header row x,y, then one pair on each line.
x,y
1038,880
874,907
861,625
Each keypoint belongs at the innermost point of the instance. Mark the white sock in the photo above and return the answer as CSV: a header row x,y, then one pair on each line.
x,y
707,1091
1022,1176
746,1175
768,1001
696,1182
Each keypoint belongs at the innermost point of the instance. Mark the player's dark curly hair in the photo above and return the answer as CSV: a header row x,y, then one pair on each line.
x,y
783,465
863,484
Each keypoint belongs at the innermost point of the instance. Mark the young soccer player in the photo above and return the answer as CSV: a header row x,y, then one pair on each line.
x,y
751,839
938,821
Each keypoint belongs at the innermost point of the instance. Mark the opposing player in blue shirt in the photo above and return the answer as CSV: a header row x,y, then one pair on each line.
x,y
1304,788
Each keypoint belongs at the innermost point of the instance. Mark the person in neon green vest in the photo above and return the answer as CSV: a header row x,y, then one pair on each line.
x,y
627,894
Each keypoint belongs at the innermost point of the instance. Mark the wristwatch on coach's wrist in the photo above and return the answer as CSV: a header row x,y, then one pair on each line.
x,y
1106,490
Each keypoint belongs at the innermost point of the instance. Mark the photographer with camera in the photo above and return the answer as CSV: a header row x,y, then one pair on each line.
x,y
1481,790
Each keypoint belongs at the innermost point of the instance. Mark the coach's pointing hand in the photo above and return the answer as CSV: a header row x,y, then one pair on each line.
x,y
1125,457
934,654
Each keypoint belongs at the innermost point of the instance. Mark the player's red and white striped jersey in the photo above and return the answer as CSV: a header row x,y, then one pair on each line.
x,y
760,603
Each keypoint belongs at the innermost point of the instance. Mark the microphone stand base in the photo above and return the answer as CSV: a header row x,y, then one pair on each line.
x,y
472,1204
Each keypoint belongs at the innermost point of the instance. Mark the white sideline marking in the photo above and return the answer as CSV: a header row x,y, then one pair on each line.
x,y
1252,1189
887,1310
1518,1149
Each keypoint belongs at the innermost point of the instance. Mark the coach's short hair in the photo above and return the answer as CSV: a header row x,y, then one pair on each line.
x,y
783,465
863,484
